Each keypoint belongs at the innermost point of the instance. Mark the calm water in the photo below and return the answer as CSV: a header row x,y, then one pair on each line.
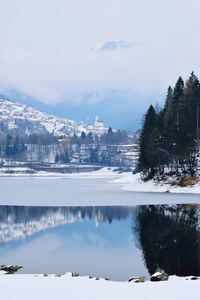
x,y
79,192
114,242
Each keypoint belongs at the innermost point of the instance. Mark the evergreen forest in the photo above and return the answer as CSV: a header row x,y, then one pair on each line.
x,y
169,141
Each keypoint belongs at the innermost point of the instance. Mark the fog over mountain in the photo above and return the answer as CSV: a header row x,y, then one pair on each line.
x,y
143,47
116,108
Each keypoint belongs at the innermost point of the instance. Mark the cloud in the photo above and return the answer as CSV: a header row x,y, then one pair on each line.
x,y
46,45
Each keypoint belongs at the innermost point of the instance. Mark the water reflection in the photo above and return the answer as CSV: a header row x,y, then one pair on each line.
x,y
169,238
94,241
114,242
18,222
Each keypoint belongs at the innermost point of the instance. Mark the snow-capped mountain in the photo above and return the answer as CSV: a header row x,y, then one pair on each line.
x,y
112,45
24,118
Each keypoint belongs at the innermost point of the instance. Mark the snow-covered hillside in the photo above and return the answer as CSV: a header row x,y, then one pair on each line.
x,y
29,120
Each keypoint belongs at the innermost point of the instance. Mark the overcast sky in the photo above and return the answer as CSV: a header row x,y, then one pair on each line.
x,y
46,45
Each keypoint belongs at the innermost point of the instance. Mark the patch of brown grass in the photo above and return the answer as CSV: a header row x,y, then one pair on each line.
x,y
185,181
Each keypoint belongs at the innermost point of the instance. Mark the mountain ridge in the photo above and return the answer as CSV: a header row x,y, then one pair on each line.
x,y
26,118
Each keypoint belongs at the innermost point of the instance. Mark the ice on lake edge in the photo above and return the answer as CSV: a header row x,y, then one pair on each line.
x,y
134,183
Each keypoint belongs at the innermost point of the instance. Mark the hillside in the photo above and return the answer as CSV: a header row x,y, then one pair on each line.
x,y
33,137
24,118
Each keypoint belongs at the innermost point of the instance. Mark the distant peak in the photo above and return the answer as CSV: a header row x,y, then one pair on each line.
x,y
112,45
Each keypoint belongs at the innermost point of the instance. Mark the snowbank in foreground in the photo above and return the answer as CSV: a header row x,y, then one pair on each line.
x,y
51,287
134,183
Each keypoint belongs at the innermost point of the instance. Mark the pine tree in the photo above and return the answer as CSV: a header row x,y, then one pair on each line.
x,y
192,93
57,158
83,137
148,143
172,132
8,151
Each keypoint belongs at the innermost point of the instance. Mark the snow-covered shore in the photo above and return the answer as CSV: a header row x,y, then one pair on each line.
x,y
127,180
101,173
136,184
51,287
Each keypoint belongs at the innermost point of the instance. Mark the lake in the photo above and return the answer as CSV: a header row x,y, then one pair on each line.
x,y
114,242
112,239
35,191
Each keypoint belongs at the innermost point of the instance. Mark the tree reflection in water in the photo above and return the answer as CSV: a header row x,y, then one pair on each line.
x,y
169,238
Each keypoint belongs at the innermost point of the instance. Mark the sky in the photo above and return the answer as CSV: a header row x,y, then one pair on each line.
x,y
50,49
111,248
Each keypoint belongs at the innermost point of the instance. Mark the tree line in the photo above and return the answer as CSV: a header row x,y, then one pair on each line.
x,y
91,148
169,140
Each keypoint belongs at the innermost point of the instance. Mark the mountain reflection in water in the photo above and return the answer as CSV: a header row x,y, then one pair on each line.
x,y
17,222
121,241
